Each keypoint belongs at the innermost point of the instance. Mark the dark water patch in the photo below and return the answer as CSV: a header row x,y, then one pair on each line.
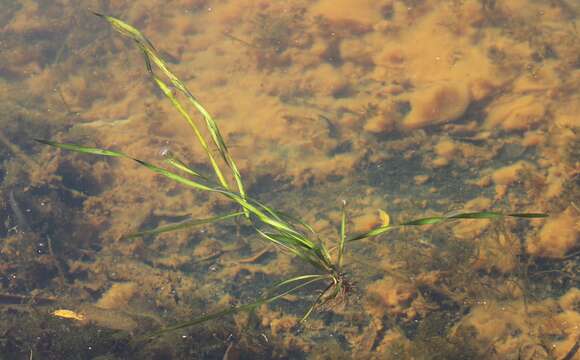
x,y
30,275
344,92
394,174
155,221
432,340
450,185
9,9
511,152
44,337
43,44
8,74
342,148
79,179
549,278
267,184
443,301
70,198
19,128
248,286
20,218
332,54
218,338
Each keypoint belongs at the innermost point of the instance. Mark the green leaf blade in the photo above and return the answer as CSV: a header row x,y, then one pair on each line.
x,y
183,225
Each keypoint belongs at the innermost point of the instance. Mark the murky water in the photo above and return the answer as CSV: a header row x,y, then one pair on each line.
x,y
414,107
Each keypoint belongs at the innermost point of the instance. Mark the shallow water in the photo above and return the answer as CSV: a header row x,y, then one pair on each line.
x,y
417,108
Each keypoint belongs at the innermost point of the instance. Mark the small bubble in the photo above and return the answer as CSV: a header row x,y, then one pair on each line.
x,y
165,152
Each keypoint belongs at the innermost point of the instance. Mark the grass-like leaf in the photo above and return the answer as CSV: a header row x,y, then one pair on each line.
x,y
285,235
84,149
178,164
177,105
183,225
439,219
118,154
152,56
305,281
342,236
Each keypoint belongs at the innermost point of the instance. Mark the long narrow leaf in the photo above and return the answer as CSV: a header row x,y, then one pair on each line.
x,y
183,225
305,254
288,237
319,300
439,219
178,164
83,149
177,105
272,221
237,309
296,220
342,238
96,151
152,54
285,282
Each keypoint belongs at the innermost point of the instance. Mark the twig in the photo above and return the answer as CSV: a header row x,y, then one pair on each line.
x,y
61,278
15,149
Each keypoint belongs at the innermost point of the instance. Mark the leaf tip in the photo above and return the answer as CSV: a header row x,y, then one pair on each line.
x,y
97,13
42,141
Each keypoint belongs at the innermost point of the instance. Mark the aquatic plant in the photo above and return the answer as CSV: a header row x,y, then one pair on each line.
x,y
288,233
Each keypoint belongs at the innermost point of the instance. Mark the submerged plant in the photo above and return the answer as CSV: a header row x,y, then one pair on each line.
x,y
286,232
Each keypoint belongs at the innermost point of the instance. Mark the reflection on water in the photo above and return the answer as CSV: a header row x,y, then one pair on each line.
x,y
412,107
